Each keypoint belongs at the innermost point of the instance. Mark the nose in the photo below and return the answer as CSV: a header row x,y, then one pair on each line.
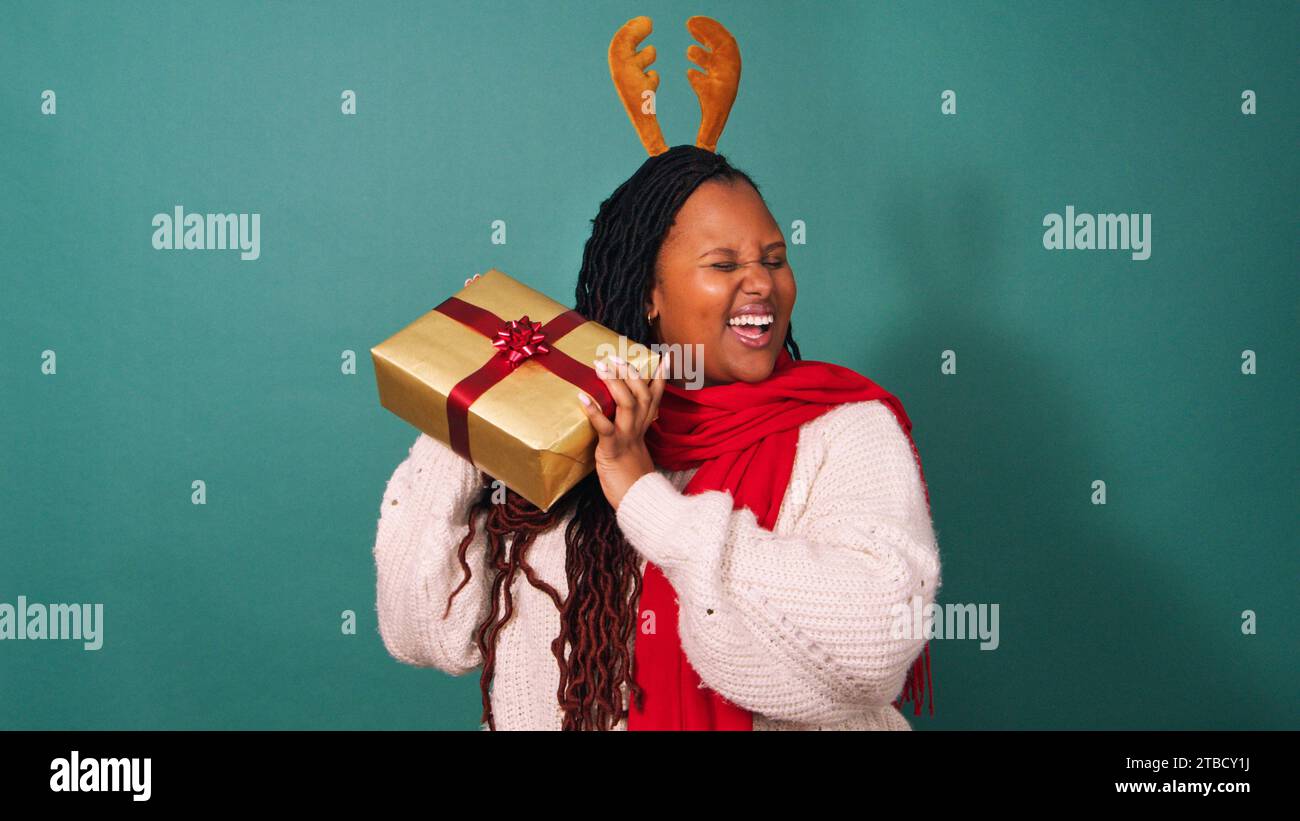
x,y
757,279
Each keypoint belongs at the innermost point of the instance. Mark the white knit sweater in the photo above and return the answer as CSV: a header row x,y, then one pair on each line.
x,y
791,624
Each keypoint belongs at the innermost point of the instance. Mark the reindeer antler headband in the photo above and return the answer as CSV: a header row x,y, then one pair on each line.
x,y
636,87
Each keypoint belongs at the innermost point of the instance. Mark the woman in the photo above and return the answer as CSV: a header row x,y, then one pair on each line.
x,y
761,595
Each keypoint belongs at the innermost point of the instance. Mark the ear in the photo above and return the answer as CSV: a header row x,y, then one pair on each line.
x,y
653,305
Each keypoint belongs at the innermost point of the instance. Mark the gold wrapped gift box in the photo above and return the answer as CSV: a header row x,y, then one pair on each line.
x,y
449,374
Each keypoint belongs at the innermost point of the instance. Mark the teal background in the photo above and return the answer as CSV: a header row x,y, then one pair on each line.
x,y
924,235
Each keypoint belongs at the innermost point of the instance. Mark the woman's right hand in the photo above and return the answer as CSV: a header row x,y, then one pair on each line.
x,y
471,279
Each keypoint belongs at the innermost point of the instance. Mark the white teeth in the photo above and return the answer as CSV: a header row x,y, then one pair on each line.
x,y
751,319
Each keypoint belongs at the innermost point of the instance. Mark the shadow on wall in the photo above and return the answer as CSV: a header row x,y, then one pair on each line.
x,y
1102,622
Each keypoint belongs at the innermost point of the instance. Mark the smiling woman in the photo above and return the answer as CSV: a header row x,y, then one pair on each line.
x,y
782,505
735,559
723,280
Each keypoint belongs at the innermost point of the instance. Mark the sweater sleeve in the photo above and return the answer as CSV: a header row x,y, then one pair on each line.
x,y
800,627
423,519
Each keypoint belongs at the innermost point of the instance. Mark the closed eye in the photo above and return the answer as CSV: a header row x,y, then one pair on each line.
x,y
731,266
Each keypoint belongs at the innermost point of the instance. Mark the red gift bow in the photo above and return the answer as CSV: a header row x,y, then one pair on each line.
x,y
517,341
520,339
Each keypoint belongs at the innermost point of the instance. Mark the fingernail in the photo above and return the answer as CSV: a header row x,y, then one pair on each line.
x,y
582,397
601,367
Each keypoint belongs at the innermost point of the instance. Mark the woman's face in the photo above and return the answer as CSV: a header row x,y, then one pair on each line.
x,y
723,256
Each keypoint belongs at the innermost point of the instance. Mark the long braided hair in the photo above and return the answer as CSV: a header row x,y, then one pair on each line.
x,y
598,617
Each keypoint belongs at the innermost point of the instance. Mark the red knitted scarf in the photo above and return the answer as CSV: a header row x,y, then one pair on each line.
x,y
743,438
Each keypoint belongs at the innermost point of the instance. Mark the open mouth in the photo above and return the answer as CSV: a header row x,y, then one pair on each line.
x,y
752,331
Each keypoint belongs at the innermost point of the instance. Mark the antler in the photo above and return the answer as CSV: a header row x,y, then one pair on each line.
x,y
717,89
625,67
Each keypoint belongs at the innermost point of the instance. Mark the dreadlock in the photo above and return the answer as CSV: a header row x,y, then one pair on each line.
x,y
598,618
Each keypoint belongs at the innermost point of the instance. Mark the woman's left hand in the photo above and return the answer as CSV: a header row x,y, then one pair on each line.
x,y
621,454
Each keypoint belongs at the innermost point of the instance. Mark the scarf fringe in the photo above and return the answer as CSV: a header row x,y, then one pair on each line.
x,y
918,683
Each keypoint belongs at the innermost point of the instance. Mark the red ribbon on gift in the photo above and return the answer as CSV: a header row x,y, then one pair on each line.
x,y
518,342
